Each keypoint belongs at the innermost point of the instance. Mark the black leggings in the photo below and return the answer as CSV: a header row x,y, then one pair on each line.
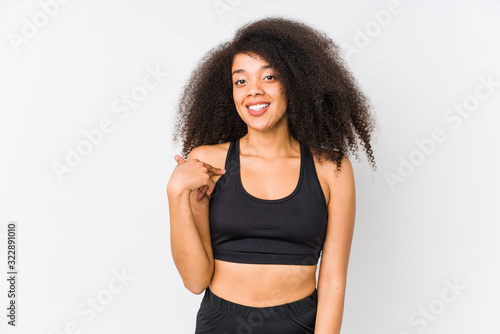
x,y
220,316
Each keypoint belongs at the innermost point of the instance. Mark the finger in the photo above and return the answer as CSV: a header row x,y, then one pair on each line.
x,y
201,192
212,169
198,192
211,187
180,160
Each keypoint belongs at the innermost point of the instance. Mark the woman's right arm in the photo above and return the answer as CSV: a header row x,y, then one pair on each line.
x,y
189,224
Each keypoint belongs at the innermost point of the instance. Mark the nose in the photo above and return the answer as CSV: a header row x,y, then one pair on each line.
x,y
255,88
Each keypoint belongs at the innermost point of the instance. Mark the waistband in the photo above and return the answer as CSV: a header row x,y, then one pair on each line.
x,y
268,313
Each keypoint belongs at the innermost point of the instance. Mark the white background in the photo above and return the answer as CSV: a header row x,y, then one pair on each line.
x,y
110,213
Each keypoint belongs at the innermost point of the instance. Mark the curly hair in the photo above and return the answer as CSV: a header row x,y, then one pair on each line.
x,y
326,110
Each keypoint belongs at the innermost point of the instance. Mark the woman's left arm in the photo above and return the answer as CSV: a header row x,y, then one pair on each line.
x,y
335,256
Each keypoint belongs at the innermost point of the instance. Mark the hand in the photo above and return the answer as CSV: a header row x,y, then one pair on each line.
x,y
193,175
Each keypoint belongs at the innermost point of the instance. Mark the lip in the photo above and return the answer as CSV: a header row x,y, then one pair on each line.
x,y
259,112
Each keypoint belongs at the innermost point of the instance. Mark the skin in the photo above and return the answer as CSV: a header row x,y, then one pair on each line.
x,y
270,165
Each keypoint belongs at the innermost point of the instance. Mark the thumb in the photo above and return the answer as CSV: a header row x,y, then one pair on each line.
x,y
179,159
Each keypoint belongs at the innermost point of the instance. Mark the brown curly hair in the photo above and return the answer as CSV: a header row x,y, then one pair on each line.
x,y
326,109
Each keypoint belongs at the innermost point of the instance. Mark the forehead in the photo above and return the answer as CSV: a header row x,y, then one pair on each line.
x,y
249,61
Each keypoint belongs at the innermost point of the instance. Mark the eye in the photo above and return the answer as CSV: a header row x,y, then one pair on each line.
x,y
270,77
241,81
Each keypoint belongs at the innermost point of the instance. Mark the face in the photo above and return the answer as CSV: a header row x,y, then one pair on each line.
x,y
258,93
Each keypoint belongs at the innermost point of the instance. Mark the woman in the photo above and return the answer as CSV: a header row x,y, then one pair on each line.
x,y
267,120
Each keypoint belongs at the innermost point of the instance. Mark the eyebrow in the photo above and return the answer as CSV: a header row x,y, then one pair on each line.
x,y
242,70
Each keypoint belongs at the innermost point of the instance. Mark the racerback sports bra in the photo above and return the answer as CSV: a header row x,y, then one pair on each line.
x,y
247,229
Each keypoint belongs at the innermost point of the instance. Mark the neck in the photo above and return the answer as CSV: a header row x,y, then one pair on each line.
x,y
269,144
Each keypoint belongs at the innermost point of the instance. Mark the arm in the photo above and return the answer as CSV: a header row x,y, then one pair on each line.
x,y
336,250
190,234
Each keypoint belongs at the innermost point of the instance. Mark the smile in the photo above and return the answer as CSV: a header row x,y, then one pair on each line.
x,y
257,107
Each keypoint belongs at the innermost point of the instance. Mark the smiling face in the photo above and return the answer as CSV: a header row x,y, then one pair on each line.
x,y
259,95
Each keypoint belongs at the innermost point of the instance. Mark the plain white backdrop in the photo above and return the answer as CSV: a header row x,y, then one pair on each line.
x,y
88,94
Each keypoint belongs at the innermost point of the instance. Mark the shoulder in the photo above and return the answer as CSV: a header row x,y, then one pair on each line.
x,y
214,155
332,181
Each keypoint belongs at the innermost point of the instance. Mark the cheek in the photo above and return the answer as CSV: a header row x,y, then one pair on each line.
x,y
237,97
281,97
279,93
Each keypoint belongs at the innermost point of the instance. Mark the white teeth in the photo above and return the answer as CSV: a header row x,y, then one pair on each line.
x,y
256,107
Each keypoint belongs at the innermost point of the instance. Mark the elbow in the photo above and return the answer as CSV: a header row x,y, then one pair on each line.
x,y
198,284
197,290
196,287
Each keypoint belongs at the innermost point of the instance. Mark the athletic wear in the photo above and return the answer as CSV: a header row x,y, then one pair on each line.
x,y
220,316
246,229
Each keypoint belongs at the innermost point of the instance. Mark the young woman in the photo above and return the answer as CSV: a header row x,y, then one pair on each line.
x,y
266,121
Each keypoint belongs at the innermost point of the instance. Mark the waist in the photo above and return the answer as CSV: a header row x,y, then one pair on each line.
x,y
262,285
266,314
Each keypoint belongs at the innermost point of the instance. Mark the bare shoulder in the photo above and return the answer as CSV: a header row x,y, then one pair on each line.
x,y
331,180
214,155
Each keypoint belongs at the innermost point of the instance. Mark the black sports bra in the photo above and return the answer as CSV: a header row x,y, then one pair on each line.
x,y
247,229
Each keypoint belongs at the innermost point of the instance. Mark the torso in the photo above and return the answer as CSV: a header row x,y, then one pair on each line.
x,y
265,284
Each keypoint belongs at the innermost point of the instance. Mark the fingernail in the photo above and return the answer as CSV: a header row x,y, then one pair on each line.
x,y
176,158
223,170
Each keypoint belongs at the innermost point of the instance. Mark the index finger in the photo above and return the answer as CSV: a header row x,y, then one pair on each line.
x,y
215,169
